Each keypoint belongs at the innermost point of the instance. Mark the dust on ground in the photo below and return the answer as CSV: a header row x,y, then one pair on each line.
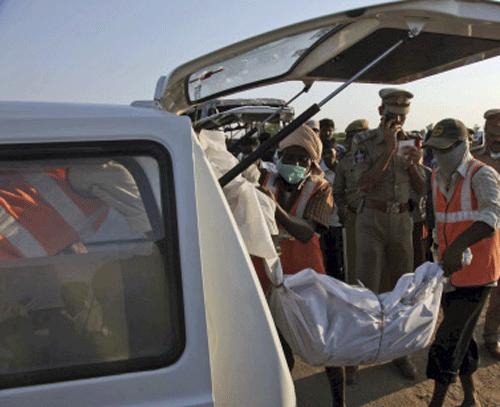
x,y
382,386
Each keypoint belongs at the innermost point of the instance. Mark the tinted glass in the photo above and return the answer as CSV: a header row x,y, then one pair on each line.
x,y
88,275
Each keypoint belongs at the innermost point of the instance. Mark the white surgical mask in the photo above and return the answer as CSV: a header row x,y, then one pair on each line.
x,y
450,161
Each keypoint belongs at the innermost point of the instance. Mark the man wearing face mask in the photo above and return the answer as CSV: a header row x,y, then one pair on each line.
x,y
466,196
304,202
490,155
304,205
386,169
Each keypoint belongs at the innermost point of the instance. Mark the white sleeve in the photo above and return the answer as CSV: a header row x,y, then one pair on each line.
x,y
112,183
486,186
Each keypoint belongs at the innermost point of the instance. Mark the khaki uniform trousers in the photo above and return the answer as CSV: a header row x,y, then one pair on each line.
x,y
384,248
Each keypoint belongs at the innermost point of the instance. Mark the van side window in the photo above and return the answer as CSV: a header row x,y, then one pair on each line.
x,y
88,269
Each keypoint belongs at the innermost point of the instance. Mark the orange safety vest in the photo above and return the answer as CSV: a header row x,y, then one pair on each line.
x,y
40,214
453,218
296,256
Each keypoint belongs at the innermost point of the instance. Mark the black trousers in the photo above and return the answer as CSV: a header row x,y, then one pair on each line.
x,y
334,374
454,351
333,252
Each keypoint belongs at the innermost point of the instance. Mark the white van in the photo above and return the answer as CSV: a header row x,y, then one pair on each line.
x,y
162,309
124,279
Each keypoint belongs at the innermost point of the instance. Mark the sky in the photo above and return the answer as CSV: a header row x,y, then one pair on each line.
x,y
114,51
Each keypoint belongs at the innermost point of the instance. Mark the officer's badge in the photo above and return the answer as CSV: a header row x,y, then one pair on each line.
x,y
360,156
438,130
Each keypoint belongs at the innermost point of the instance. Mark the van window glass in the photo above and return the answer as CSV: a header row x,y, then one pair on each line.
x,y
265,62
88,276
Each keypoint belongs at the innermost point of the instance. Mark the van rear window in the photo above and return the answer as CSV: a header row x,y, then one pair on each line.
x,y
89,270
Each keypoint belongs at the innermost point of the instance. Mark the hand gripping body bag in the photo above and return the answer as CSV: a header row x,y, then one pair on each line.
x,y
330,323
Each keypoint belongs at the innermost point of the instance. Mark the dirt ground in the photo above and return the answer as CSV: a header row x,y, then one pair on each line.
x,y
382,386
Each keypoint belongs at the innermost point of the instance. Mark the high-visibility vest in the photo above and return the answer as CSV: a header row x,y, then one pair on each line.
x,y
453,218
40,214
297,256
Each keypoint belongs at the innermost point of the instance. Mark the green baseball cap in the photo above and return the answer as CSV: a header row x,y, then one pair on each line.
x,y
491,113
357,125
447,132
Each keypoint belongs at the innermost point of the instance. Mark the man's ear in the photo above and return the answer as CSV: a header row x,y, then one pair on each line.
x,y
381,110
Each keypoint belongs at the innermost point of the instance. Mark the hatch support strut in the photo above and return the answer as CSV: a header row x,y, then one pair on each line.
x,y
415,29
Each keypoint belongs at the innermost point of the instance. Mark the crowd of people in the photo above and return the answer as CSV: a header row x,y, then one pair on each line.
x,y
382,202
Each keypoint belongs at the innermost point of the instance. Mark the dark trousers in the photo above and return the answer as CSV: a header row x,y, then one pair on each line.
x,y
333,252
334,374
492,321
454,350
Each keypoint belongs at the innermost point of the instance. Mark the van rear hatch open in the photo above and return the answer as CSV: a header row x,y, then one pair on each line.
x,y
335,47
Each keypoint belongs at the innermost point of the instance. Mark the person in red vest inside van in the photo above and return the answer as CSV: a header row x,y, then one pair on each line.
x,y
49,211
46,212
466,196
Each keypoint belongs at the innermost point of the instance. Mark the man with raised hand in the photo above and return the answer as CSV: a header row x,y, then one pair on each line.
x,y
386,169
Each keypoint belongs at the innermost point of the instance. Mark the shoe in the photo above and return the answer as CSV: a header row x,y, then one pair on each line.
x,y
406,367
351,374
493,348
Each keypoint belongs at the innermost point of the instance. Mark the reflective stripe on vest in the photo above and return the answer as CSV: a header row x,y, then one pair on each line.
x,y
66,208
467,211
295,255
29,200
308,189
453,218
19,237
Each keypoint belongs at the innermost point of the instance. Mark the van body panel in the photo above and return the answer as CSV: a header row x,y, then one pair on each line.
x,y
239,321
186,382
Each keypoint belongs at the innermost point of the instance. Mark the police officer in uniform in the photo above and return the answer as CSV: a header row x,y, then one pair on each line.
x,y
346,198
490,155
346,195
386,169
